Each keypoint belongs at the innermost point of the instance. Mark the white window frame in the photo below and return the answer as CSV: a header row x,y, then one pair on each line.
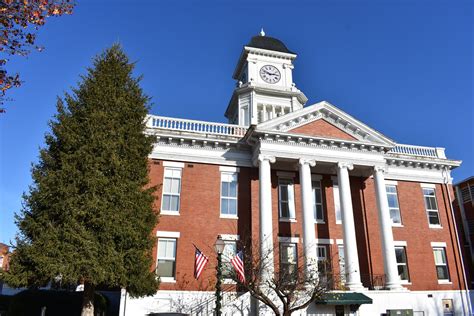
x,y
175,240
322,258
341,262
172,167
317,180
397,209
290,183
337,201
226,258
224,176
432,188
444,264
404,249
295,247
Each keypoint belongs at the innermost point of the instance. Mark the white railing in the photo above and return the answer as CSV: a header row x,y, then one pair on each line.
x,y
184,125
411,150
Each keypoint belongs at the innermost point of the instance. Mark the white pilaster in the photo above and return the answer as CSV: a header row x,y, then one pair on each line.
x,y
266,228
350,244
309,238
385,223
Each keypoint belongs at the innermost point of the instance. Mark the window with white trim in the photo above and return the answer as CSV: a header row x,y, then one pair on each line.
x,y
321,253
229,194
393,205
441,263
337,201
230,250
288,259
166,261
286,198
1,262
342,263
171,190
402,263
431,206
317,201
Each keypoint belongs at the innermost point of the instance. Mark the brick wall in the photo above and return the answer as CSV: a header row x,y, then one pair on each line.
x,y
322,128
199,222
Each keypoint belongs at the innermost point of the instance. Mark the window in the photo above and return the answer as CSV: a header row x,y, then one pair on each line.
x,y
229,194
171,190
322,259
1,262
342,263
230,250
166,263
317,202
286,196
466,194
337,203
431,206
288,260
441,263
402,263
393,204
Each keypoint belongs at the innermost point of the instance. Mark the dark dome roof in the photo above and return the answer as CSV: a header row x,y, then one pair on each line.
x,y
270,43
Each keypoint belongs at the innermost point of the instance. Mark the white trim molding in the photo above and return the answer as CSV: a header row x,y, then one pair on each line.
x,y
289,240
428,185
324,241
438,244
229,237
391,182
167,234
229,169
173,164
339,241
400,243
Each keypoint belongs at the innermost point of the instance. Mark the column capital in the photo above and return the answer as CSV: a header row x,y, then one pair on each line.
x,y
262,157
381,169
310,162
346,165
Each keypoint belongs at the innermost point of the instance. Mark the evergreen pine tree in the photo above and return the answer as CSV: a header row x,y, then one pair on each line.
x,y
88,215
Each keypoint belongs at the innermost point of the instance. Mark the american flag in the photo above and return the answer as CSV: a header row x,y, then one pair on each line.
x,y
199,262
238,263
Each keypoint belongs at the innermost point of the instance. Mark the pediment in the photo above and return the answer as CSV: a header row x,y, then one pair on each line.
x,y
325,120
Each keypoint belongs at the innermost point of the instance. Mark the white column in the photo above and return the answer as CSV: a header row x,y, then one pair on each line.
x,y
266,229
350,244
385,223
309,238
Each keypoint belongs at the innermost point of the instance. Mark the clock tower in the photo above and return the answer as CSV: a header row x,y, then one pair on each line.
x,y
265,87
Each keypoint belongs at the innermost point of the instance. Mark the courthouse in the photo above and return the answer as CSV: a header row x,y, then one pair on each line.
x,y
305,182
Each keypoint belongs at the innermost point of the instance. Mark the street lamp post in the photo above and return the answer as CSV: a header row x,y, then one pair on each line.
x,y
219,247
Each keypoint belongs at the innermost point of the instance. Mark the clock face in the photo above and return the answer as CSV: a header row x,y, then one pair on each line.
x,y
270,74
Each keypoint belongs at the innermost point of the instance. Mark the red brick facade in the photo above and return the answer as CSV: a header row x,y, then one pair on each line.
x,y
324,129
199,223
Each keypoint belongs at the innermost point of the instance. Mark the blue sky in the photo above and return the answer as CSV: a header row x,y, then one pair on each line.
x,y
404,68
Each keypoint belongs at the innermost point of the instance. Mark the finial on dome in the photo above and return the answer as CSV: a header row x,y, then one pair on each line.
x,y
262,33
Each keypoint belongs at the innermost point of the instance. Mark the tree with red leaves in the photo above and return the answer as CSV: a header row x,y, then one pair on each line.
x,y
19,22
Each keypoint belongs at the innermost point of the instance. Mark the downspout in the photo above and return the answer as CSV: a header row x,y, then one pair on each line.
x,y
446,181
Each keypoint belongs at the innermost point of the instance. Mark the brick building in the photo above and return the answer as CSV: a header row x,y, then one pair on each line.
x,y
464,214
301,181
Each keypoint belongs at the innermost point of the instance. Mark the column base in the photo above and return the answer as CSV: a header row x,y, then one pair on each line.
x,y
356,287
395,287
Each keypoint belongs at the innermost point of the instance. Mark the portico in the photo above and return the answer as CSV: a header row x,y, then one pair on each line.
x,y
269,150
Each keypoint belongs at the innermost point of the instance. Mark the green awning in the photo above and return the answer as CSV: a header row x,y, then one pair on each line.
x,y
343,299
